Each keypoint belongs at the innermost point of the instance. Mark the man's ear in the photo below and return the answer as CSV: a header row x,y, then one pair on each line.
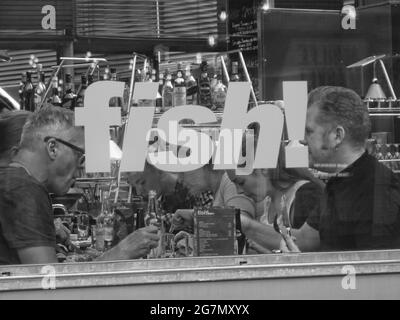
x,y
340,134
52,149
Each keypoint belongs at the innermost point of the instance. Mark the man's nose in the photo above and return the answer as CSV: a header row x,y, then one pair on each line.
x,y
304,142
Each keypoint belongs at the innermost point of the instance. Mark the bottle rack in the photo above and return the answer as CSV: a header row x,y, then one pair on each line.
x,y
385,108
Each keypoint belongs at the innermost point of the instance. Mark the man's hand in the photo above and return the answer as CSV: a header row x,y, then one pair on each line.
x,y
137,245
288,244
183,220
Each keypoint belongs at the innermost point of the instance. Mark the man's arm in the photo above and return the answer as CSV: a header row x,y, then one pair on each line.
x,y
137,245
307,238
37,255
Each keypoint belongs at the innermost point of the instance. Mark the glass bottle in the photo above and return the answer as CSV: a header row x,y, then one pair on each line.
x,y
219,94
29,94
115,101
40,90
179,88
153,217
108,221
55,99
205,99
235,72
159,101
81,94
191,87
69,98
167,92
147,77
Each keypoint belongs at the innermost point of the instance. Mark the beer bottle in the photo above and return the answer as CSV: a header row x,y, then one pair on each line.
x,y
179,88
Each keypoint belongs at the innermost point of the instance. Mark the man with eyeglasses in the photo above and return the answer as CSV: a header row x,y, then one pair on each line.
x,y
50,156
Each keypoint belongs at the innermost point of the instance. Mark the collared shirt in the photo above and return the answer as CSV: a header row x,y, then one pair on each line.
x,y
360,209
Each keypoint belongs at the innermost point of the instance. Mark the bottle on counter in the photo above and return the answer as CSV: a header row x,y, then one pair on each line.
x,y
214,82
147,77
235,72
191,87
55,99
105,223
167,92
69,98
179,88
159,101
81,94
115,101
205,98
29,93
152,214
106,75
113,72
219,93
40,90
100,244
109,229
153,217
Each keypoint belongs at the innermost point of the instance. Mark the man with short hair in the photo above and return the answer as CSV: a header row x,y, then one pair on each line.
x,y
360,209
50,155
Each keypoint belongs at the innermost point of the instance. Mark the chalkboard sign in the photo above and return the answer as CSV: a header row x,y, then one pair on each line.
x,y
243,25
243,34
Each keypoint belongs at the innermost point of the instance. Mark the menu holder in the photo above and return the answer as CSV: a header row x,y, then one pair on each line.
x,y
215,232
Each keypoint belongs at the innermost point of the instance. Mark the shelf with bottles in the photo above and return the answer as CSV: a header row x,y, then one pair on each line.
x,y
387,153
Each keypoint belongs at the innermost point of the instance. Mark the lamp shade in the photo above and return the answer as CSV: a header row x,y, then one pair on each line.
x,y
375,91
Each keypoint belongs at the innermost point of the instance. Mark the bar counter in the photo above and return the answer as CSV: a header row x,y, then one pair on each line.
x,y
294,276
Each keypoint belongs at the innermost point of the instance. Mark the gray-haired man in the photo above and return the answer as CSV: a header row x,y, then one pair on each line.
x,y
50,156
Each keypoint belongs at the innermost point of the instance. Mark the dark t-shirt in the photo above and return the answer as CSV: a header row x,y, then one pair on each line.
x,y
307,200
360,209
26,216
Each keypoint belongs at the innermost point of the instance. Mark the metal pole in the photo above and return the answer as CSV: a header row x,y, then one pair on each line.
x,y
127,120
246,72
225,69
131,86
54,74
387,79
144,69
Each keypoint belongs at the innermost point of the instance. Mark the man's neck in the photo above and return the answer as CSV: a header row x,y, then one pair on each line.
x,y
32,163
348,155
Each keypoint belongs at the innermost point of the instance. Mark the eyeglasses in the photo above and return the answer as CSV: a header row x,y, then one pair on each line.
x,y
81,152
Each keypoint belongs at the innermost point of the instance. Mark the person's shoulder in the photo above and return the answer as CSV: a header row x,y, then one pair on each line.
x,y
310,187
18,180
